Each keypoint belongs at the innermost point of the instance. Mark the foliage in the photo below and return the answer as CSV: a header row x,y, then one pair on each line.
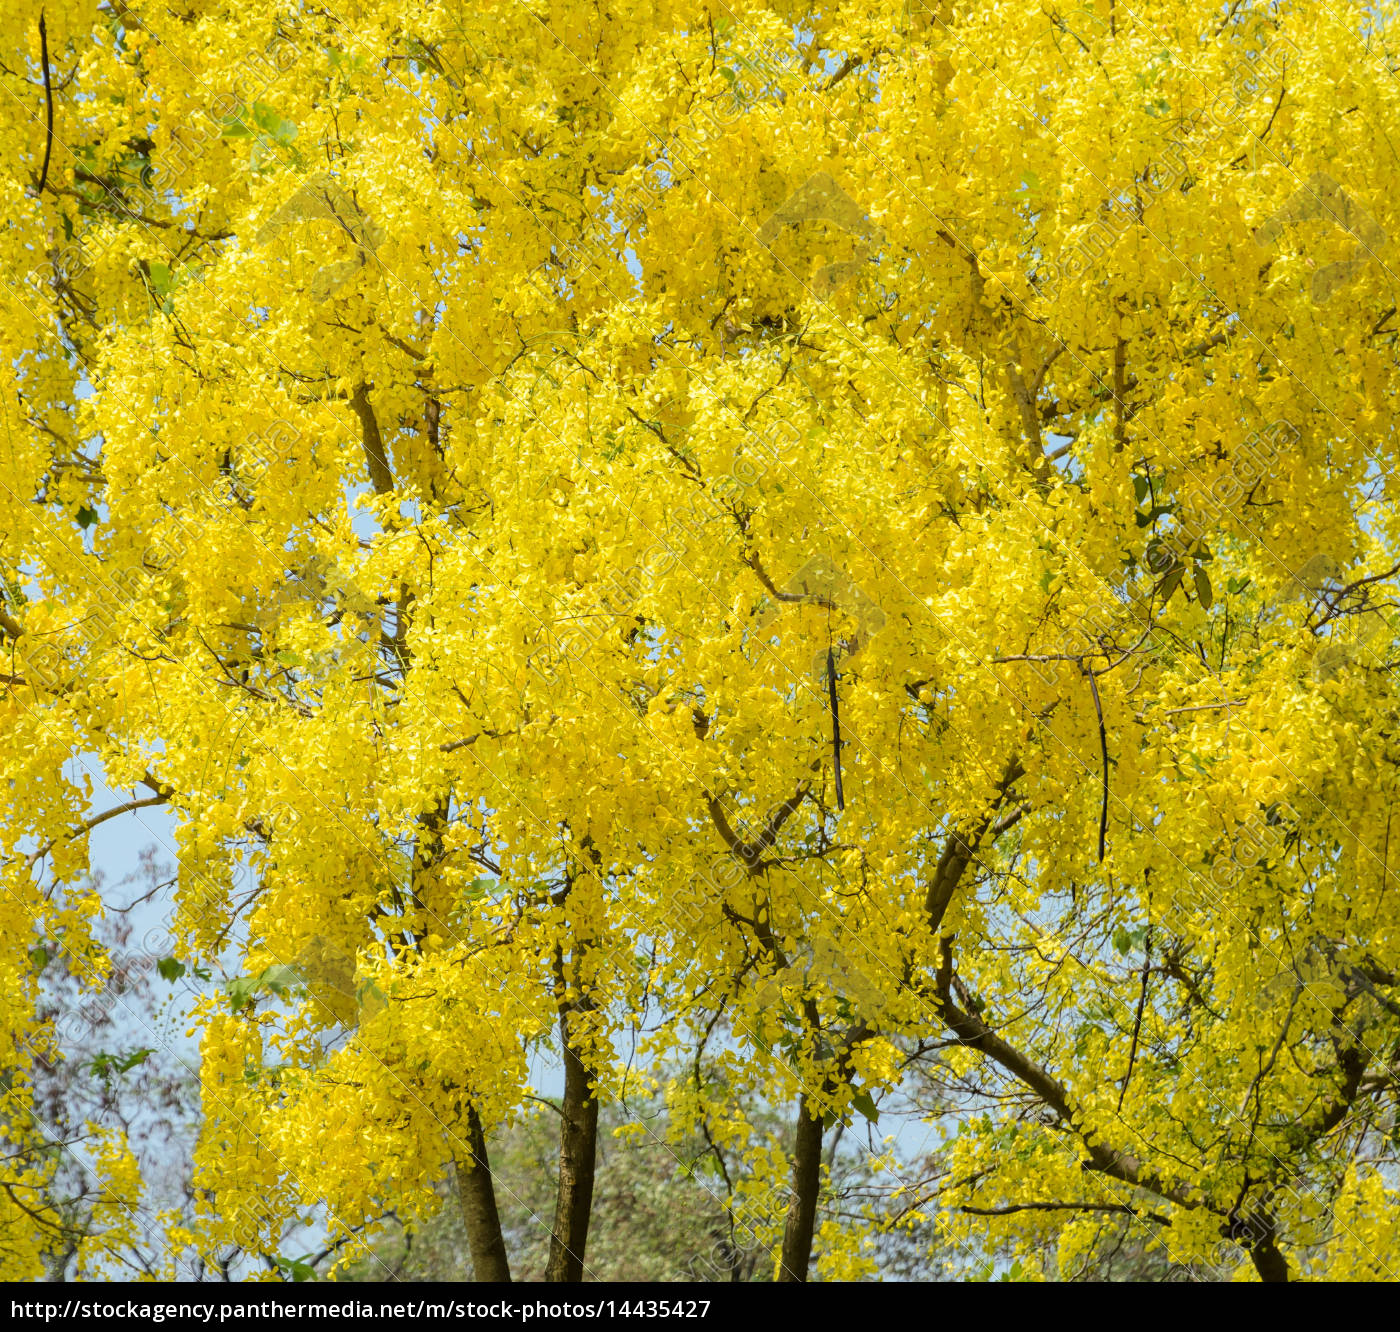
x,y
844,549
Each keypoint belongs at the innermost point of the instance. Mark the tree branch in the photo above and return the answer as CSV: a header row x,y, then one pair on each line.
x,y
959,851
373,442
48,104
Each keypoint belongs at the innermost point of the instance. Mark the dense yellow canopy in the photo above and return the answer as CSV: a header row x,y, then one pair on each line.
x,y
472,462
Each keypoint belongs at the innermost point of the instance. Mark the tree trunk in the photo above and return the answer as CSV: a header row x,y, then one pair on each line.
x,y
806,1185
1270,1263
1268,1260
578,1147
477,1195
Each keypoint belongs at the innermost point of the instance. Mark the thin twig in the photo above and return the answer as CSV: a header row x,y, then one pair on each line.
x,y
1205,707
98,820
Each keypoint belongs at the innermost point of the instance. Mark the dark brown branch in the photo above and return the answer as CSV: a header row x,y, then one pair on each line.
x,y
48,104
1354,1061
451,746
736,844
806,1187
1103,750
1273,115
1209,344
851,62
578,1133
752,560
1012,1208
751,852
796,1256
835,726
477,1195
972,1031
99,819
578,1148
156,785
1137,1018
780,816
958,852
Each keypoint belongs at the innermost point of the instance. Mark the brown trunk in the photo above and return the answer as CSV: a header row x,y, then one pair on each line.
x,y
477,1194
1268,1259
1269,1262
806,1185
578,1146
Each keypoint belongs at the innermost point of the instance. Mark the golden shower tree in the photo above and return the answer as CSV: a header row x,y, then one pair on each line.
x,y
833,546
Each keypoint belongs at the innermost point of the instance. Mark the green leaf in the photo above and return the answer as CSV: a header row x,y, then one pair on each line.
x,y
86,516
865,1103
1141,488
1170,583
241,991
369,996
134,1058
286,131
479,888
1203,588
170,969
39,957
267,120
297,1268
343,61
1155,512
1122,941
279,978
104,1065
160,277
289,659
235,127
